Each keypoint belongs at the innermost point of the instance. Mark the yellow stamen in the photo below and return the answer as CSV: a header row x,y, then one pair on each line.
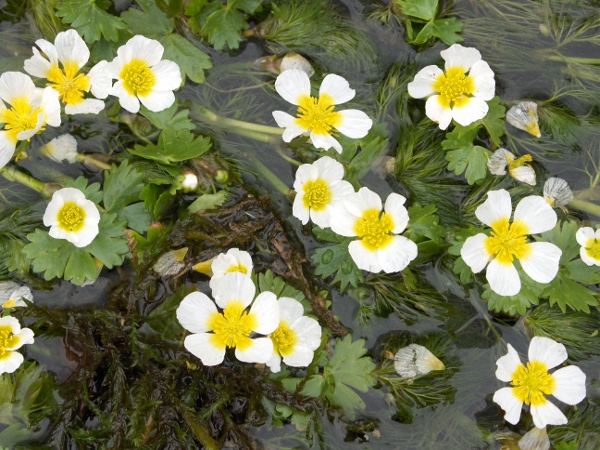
x,y
20,117
317,195
7,340
454,87
532,382
71,217
374,229
592,248
239,268
69,85
232,328
508,241
138,78
317,115
284,339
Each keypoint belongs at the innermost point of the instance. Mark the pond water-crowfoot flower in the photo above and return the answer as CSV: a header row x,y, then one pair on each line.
x,y
533,382
72,217
460,92
589,239
12,295
508,241
319,188
517,167
235,260
12,337
379,245
317,116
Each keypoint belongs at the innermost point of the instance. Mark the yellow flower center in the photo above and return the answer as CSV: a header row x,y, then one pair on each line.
x,y
7,340
317,115
284,339
232,328
454,87
374,228
239,268
508,241
69,85
532,382
317,195
592,248
518,162
137,78
10,303
71,217
20,117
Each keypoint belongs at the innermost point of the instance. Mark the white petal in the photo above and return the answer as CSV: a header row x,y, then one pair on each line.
x,y
356,124
365,259
37,65
498,161
308,332
483,77
234,287
100,80
194,312
546,350
397,255
157,100
362,201
70,47
344,220
201,346
88,106
49,50
25,337
507,364
394,206
325,141
139,47
474,252
470,112
570,385
11,363
233,260
436,112
299,211
524,174
290,309
537,213
260,351
509,403
584,234
300,357
542,263
422,85
587,259
168,75
15,84
292,84
504,279
547,414
274,363
338,88
329,169
51,106
497,206
7,149
128,102
459,56
285,120
23,135
266,311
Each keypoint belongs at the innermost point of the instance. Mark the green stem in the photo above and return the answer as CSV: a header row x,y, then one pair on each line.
x,y
269,176
574,59
235,125
91,161
12,174
585,206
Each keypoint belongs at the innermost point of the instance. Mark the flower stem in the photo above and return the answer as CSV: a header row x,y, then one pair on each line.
x,y
12,174
235,125
574,59
91,161
269,176
583,205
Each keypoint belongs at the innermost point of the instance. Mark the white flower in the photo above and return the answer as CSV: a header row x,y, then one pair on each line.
x,y
517,167
524,116
12,337
69,51
317,116
590,245
459,93
30,110
190,182
379,245
295,61
214,332
72,217
13,294
415,360
142,76
509,240
235,260
61,148
557,192
296,338
535,439
319,188
532,382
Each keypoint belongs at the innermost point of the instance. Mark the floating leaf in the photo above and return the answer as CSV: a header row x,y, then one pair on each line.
x,y
122,186
336,259
191,60
89,20
208,201
173,146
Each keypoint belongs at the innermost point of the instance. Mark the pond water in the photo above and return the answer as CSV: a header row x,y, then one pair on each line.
x,y
119,375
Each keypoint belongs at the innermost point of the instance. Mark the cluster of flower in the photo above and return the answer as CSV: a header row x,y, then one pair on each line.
x,y
12,336
270,330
